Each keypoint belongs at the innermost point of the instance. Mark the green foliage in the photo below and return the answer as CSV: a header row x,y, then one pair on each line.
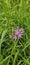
x,y
13,14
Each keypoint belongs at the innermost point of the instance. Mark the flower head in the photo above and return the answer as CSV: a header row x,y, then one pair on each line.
x,y
18,33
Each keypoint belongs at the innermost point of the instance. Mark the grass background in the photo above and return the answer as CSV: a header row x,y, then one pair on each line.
x,y
13,14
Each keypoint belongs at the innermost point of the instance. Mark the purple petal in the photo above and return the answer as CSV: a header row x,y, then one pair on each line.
x,y
20,35
16,32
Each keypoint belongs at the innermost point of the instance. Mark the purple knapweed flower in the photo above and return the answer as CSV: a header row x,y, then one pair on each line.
x,y
18,33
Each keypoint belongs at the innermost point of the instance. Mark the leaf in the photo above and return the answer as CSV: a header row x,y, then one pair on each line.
x,y
2,38
1,58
